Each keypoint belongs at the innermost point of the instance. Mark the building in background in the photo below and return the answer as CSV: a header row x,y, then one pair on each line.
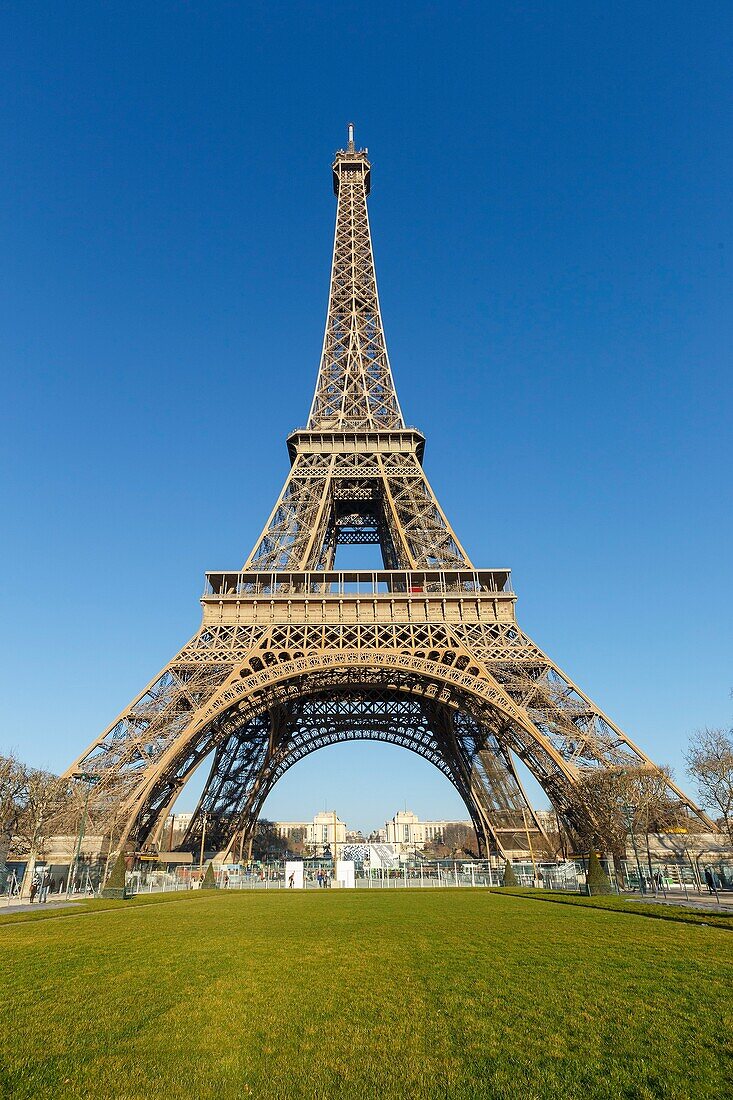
x,y
406,830
174,830
326,828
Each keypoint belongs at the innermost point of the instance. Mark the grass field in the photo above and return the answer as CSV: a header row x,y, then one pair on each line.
x,y
363,994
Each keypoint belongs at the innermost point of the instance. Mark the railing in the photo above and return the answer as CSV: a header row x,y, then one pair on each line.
x,y
413,583
668,879
358,428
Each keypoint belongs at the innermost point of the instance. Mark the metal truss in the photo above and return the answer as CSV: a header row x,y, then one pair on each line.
x,y
292,656
355,389
356,457
258,752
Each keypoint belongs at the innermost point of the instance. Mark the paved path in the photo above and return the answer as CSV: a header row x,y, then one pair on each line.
x,y
17,906
706,902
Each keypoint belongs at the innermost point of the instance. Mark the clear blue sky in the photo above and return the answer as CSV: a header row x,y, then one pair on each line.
x,y
552,222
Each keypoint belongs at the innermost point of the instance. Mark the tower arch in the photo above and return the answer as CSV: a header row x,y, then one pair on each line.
x,y
265,723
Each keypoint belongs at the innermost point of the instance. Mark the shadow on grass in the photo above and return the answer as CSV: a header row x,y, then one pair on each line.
x,y
656,910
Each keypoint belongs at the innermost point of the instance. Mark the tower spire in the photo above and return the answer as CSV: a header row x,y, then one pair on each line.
x,y
355,388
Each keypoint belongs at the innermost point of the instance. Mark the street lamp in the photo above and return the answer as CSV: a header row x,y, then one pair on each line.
x,y
204,817
627,811
90,780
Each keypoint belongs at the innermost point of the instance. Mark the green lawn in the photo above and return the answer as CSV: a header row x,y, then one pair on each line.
x,y
375,994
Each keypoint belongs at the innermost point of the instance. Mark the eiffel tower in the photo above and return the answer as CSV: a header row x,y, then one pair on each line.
x,y
293,655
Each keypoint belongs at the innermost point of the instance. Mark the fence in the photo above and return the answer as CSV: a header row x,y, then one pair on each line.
x,y
665,879
670,879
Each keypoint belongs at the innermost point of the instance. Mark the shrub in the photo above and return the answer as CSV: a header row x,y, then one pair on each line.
x,y
597,880
209,882
510,879
115,885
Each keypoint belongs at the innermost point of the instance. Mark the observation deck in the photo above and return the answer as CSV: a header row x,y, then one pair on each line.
x,y
353,596
339,440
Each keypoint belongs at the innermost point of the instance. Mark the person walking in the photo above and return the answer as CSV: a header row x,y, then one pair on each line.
x,y
45,883
709,880
291,881
34,890
319,877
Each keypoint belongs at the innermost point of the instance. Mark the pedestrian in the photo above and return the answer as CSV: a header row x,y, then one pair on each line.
x,y
34,890
291,881
45,883
709,880
319,876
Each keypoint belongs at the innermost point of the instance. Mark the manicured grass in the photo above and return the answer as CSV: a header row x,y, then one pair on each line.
x,y
378,994
711,915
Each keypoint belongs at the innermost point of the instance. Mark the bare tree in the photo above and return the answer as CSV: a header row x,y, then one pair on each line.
x,y
598,799
709,762
455,840
12,802
653,809
34,805
607,800
436,848
267,842
461,839
296,840
47,803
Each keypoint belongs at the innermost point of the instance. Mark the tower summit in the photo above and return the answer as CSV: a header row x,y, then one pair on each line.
x,y
293,654
354,388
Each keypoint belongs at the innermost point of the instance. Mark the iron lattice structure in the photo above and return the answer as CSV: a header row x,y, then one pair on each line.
x,y
293,655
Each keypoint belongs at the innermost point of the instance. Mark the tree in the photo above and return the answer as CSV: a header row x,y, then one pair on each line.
x,y
510,879
455,840
12,802
296,841
604,797
45,809
34,805
461,840
596,878
267,843
436,848
654,811
709,762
